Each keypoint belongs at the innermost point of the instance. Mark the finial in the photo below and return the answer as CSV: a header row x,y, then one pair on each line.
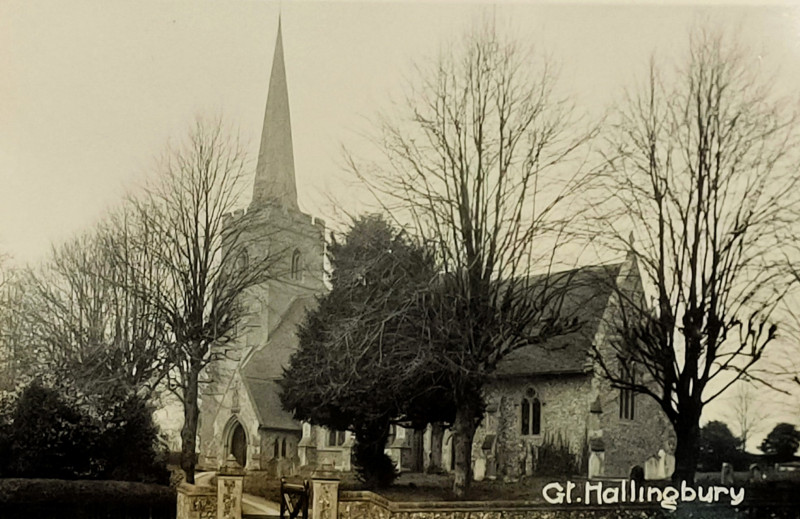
x,y
631,240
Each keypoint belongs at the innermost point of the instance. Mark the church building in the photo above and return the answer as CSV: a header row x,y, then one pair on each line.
x,y
540,396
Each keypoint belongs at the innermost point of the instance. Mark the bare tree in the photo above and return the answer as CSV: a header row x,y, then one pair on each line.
x,y
476,166
188,230
83,323
746,412
10,327
702,167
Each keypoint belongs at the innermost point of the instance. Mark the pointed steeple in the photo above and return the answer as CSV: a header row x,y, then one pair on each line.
x,y
274,181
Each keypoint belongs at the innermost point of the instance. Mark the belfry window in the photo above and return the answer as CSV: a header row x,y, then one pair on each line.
x,y
531,416
297,265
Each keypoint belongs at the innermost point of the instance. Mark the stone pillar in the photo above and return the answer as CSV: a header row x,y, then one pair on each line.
x,y
229,490
196,502
306,446
325,493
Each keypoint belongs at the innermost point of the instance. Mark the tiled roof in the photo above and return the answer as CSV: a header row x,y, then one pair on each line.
x,y
587,298
265,394
264,368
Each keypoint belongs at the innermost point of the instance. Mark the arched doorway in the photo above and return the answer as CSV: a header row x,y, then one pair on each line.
x,y
238,444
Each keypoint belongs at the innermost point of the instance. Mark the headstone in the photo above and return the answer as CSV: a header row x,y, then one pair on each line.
x,y
726,477
325,493
756,474
637,474
479,472
651,468
230,479
596,461
669,465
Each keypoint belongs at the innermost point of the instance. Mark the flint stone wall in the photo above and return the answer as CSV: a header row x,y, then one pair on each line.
x,y
367,505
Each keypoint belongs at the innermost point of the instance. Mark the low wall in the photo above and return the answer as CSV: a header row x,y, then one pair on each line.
x,y
196,502
363,505
368,505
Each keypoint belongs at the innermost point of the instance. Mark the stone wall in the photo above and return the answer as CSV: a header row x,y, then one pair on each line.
x,y
367,505
627,442
196,502
217,419
565,403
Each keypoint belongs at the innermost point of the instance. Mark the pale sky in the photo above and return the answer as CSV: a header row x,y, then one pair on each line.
x,y
91,91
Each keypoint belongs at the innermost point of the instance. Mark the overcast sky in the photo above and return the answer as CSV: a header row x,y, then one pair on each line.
x,y
91,91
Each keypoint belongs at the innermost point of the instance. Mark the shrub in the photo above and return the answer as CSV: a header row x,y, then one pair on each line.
x,y
49,434
57,499
128,444
554,457
51,438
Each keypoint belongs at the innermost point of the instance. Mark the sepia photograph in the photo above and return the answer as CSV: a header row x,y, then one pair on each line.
x,y
399,260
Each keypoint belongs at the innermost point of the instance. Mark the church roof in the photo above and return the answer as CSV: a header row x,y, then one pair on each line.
x,y
586,299
264,368
265,394
275,179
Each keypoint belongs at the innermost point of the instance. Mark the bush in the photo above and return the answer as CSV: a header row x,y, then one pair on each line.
x,y
49,434
49,498
50,438
554,457
128,444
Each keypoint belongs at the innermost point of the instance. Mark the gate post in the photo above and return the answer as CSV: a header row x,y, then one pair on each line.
x,y
229,490
325,493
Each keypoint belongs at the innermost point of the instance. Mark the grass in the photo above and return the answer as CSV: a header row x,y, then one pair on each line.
x,y
434,487
416,487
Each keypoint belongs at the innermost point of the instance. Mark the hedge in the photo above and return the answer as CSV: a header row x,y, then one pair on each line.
x,y
84,499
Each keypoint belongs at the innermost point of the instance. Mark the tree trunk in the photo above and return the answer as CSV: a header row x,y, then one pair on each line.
x,y
437,438
687,449
373,466
191,412
463,431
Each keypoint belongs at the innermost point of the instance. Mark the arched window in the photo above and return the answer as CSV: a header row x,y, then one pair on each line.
x,y
283,448
531,416
276,453
297,265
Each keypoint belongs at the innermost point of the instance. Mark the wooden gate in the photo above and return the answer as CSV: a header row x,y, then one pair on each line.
x,y
294,499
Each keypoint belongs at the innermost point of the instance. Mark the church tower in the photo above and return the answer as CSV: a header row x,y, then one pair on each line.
x,y
241,413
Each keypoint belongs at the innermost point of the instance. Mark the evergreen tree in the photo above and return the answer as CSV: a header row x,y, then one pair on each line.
x,y
363,363
782,442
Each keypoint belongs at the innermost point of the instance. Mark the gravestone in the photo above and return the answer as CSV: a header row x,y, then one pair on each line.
x,y
726,476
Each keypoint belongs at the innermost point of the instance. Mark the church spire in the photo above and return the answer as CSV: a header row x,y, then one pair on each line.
x,y
274,181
